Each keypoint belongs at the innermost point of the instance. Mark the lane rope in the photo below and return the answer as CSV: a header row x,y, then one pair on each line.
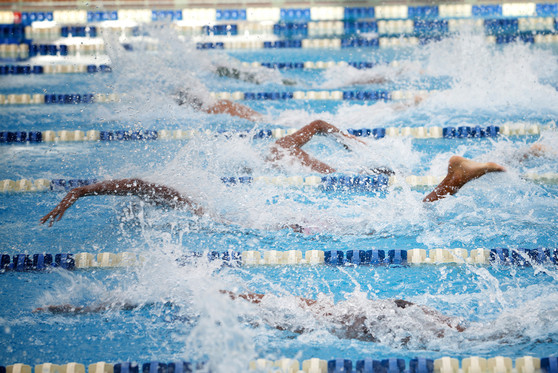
x,y
498,257
472,364
298,14
434,132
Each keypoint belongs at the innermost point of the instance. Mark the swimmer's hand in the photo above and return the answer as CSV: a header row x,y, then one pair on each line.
x,y
57,213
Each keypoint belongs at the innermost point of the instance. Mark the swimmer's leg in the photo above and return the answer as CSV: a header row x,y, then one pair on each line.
x,y
460,172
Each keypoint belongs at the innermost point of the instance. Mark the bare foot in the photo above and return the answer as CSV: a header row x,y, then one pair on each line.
x,y
460,172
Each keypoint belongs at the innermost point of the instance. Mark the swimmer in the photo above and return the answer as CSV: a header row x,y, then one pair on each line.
x,y
211,106
350,322
346,320
460,171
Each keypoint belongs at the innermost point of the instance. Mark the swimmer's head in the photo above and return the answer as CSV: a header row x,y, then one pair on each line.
x,y
187,97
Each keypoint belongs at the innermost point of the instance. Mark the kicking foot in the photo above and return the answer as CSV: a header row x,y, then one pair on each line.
x,y
463,170
460,172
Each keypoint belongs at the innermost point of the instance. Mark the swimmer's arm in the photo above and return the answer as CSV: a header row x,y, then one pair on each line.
x,y
257,298
97,308
234,109
151,192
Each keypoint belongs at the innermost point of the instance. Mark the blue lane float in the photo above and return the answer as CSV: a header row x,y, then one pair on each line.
x,y
122,135
423,12
283,65
522,257
29,17
470,132
36,262
268,95
230,14
78,31
12,34
62,185
359,182
367,95
289,29
295,14
377,133
549,364
69,99
230,30
101,16
485,11
166,15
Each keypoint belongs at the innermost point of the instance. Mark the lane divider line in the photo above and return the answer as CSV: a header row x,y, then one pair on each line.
x,y
434,132
395,257
446,364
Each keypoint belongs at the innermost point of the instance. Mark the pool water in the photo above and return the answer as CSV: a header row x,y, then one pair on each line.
x,y
509,311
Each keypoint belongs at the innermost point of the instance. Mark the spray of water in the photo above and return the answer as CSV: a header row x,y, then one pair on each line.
x,y
510,81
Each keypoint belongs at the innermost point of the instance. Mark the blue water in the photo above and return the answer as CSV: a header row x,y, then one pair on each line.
x,y
509,311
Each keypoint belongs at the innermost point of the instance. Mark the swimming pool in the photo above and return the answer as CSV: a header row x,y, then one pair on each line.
x,y
509,309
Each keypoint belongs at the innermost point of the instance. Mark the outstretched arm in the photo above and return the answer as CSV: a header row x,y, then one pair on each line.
x,y
151,192
234,109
